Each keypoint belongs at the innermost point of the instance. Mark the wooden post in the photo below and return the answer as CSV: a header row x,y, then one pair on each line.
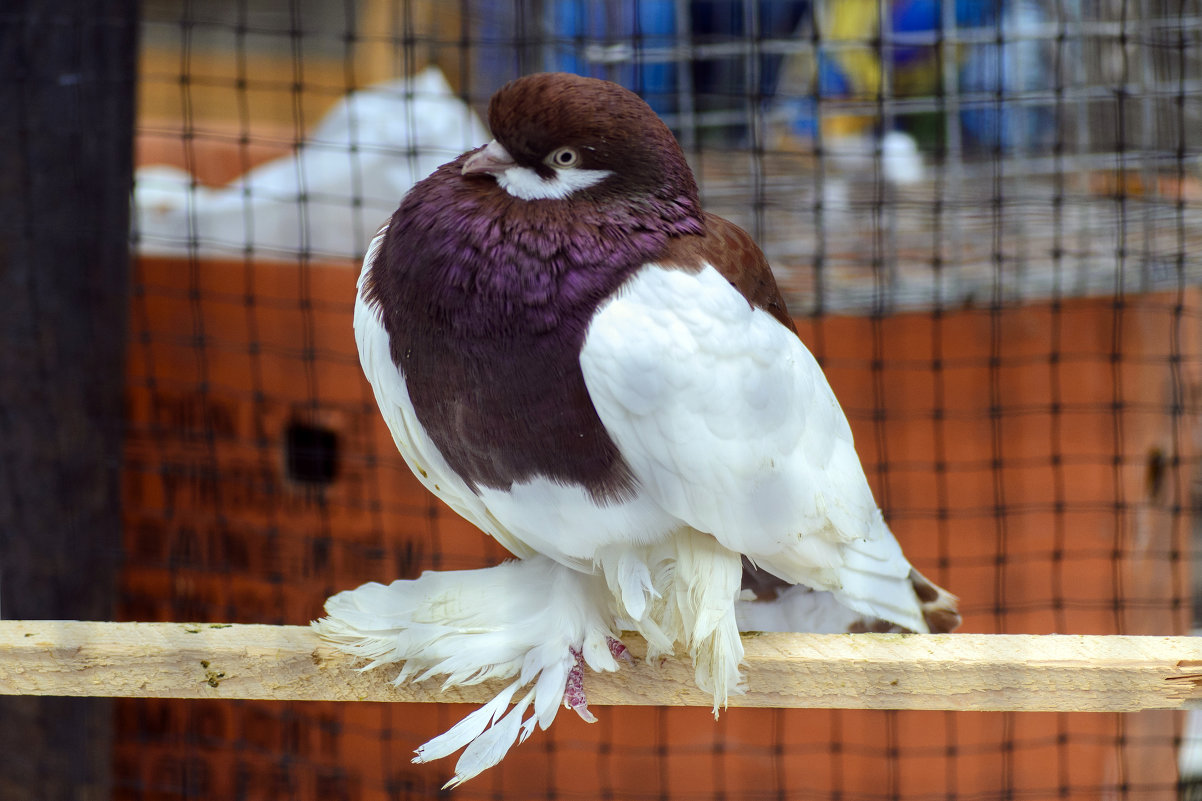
x,y
66,144
851,671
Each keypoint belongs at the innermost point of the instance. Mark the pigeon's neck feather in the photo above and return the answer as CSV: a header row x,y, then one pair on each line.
x,y
487,299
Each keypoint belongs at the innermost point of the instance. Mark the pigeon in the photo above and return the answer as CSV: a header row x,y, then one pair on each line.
x,y
577,358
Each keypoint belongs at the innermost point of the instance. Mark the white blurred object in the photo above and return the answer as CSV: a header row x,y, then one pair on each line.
x,y
900,159
328,198
1189,758
901,163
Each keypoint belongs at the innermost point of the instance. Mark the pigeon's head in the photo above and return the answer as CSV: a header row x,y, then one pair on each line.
x,y
560,136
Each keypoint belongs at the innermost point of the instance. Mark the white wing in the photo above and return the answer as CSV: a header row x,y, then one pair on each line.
x,y
729,423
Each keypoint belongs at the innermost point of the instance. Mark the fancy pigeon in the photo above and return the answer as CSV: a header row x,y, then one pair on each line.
x,y
583,363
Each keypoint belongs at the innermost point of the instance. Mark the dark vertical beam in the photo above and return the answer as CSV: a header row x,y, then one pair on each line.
x,y
67,75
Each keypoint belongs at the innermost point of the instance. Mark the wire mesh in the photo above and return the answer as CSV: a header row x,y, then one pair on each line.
x,y
985,216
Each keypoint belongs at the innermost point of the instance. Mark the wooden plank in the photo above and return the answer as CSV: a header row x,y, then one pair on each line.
x,y
860,671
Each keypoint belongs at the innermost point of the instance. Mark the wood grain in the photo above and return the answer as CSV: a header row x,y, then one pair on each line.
x,y
853,671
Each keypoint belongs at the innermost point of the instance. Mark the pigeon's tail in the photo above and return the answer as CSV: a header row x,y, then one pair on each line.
x,y
780,606
874,588
532,619
878,582
795,608
875,581
940,609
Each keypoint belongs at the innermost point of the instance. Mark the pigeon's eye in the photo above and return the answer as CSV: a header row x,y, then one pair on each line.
x,y
563,158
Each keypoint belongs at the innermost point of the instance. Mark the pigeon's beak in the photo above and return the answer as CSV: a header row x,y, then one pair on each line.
x,y
492,159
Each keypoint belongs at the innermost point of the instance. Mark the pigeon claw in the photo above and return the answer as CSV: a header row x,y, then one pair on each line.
x,y
573,691
618,651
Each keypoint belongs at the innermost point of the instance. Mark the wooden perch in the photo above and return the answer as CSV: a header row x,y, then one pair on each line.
x,y
853,671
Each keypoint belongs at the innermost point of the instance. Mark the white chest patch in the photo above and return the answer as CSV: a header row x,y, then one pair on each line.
x,y
566,524
525,183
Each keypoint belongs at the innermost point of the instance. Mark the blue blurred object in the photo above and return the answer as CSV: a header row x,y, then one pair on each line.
x,y
725,20
587,37
1004,68
607,40
500,49
611,39
1001,68
912,17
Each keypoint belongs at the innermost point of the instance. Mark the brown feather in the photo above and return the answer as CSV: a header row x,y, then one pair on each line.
x,y
733,253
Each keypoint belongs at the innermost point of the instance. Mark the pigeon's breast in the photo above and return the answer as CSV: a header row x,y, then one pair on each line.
x,y
508,411
485,321
516,458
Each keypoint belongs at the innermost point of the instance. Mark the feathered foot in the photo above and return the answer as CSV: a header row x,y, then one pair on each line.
x,y
573,693
706,588
532,619
678,593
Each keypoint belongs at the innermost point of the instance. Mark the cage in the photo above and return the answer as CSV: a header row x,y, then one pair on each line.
x,y
984,216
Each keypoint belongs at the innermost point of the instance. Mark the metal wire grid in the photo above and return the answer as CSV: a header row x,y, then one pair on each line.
x,y
1014,337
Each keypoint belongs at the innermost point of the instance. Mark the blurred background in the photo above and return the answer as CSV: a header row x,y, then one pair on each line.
x,y
986,217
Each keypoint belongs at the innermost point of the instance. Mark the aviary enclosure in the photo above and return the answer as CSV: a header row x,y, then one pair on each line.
x,y
987,218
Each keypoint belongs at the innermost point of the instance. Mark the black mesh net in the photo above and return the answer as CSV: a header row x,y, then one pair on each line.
x,y
986,218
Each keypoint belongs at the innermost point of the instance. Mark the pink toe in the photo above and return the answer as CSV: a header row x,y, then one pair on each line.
x,y
618,651
573,691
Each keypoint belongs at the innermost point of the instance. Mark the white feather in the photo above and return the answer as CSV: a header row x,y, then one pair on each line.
x,y
729,423
707,586
518,619
630,579
797,608
525,183
467,729
489,748
537,512
473,625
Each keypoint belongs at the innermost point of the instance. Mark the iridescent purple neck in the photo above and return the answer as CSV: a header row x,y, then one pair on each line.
x,y
491,264
487,300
